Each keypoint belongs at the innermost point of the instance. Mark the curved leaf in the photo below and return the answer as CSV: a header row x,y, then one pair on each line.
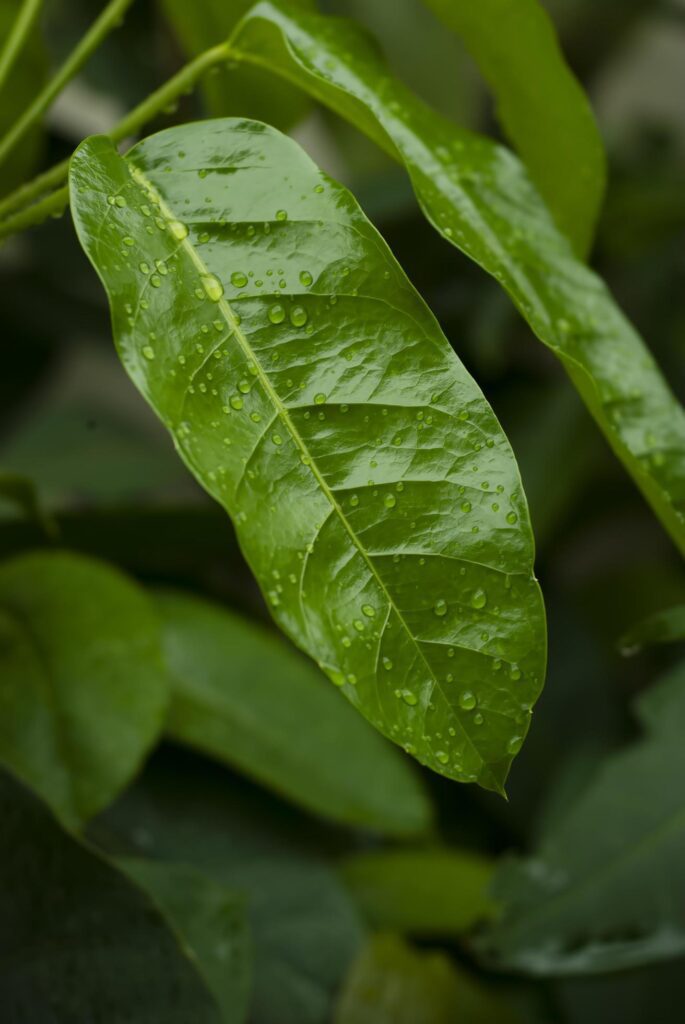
x,y
540,104
83,686
80,942
312,393
240,694
664,627
479,197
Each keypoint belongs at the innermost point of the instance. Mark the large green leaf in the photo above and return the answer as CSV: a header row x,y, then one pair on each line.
x,y
211,921
83,690
606,890
479,197
424,891
240,694
543,109
312,393
79,941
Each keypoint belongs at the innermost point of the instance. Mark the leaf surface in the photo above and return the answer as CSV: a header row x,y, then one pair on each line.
x,y
241,695
80,942
540,104
479,197
83,688
313,395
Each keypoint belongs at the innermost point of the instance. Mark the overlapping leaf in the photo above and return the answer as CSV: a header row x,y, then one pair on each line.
x,y
312,393
479,197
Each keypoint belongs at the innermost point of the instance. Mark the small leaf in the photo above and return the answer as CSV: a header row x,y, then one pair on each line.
x,y
83,686
480,199
80,941
312,393
241,695
664,627
540,104
605,890
211,921
439,891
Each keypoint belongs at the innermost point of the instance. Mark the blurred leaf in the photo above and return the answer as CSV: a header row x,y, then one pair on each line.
x,y
80,941
440,891
211,922
542,107
244,92
479,197
606,890
83,689
304,926
23,82
392,983
373,491
20,492
240,694
664,627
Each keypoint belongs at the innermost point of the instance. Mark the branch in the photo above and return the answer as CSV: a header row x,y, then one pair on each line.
x,y
23,23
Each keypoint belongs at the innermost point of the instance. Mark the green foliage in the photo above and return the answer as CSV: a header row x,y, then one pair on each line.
x,y
664,627
240,695
479,197
542,107
25,77
312,393
81,942
83,687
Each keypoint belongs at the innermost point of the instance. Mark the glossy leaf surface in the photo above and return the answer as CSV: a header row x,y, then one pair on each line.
x,y
540,104
479,197
241,695
79,941
83,686
605,890
314,396
437,891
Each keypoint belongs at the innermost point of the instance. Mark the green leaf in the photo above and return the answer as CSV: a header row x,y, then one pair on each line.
x,y
479,197
312,393
605,890
438,891
392,983
27,75
664,627
241,695
211,921
80,941
304,926
83,690
540,104
20,492
206,23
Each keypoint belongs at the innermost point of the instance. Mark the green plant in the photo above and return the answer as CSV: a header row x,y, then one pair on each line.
x,y
379,505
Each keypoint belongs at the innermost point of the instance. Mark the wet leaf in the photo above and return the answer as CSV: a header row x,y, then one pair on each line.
x,y
312,393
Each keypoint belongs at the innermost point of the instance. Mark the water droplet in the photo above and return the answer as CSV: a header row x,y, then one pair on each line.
x,y
389,500
354,500
442,757
178,229
306,278
352,679
298,316
359,625
387,664
212,286
479,599
277,439
144,267
515,673
440,607
127,240
466,506
155,281
320,398
515,744
512,518
368,610
467,700
409,698
244,386
236,402
149,352
238,279
277,313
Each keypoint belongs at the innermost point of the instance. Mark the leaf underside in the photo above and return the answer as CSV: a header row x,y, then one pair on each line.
x,y
312,393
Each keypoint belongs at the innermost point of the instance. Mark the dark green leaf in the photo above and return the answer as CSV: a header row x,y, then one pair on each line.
x,y
80,942
20,492
606,890
312,393
240,694
664,627
479,197
543,109
423,891
83,690
211,921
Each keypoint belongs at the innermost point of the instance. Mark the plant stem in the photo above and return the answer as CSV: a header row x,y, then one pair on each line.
x,y
108,19
155,103
23,23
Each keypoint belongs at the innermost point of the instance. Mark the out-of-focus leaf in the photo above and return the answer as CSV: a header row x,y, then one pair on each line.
x,y
605,890
23,82
479,197
211,922
80,942
83,690
20,492
664,627
311,392
304,926
243,91
423,892
392,983
241,695
541,105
